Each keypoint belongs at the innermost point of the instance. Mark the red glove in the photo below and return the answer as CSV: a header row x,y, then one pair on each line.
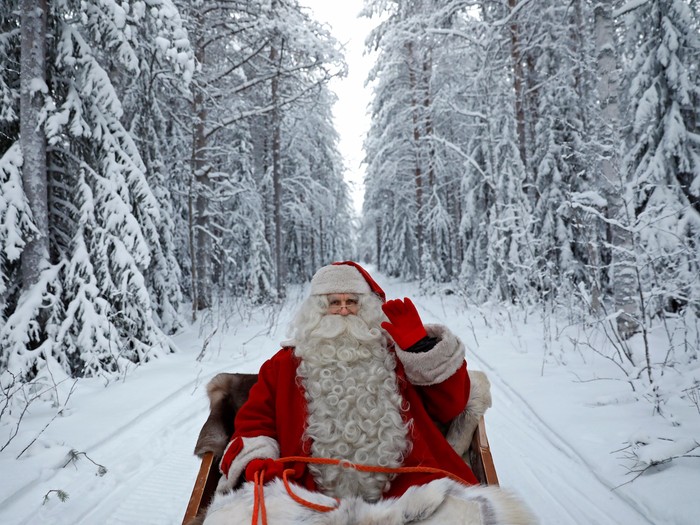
x,y
404,326
272,469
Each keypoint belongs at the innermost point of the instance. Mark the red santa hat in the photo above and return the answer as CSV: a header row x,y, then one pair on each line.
x,y
344,277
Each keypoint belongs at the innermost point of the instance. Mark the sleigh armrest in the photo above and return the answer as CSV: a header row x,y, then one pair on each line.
x,y
204,487
480,456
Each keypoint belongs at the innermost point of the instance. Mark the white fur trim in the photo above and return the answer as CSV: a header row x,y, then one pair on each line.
x,y
462,428
338,278
237,507
439,502
439,363
260,447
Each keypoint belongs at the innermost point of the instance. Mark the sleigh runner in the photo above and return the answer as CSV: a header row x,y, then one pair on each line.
x,y
227,392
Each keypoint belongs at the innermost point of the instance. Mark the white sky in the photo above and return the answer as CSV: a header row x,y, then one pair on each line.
x,y
350,112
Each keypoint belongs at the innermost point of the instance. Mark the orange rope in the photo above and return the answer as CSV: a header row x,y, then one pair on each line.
x,y
259,498
374,468
310,504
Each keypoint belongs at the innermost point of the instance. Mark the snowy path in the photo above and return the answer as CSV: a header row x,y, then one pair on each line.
x,y
531,458
144,430
149,460
150,467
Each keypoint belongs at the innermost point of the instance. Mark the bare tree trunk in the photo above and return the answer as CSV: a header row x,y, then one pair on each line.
x,y
418,175
427,101
378,240
190,226
623,270
275,118
33,17
518,83
201,258
321,246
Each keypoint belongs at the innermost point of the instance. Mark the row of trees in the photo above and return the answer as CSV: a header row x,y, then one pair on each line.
x,y
545,153
527,149
154,151
162,150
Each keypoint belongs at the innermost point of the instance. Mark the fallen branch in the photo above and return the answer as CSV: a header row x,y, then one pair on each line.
x,y
661,455
61,494
74,456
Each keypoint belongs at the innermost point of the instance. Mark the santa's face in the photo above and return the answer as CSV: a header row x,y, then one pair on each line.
x,y
343,303
326,317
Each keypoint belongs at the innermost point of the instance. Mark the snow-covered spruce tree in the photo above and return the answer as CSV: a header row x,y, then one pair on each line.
x,y
166,65
242,263
316,205
303,59
90,310
413,109
16,225
449,100
255,270
439,87
567,236
260,67
395,164
495,213
25,236
662,166
210,155
663,157
444,192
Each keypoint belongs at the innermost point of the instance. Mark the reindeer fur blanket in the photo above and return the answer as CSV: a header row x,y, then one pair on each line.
x,y
440,502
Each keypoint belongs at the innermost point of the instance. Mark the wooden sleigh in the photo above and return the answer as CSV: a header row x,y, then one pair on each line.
x,y
227,392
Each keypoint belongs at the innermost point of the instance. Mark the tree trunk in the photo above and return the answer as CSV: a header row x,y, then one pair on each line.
x,y
33,17
623,271
427,102
418,175
518,83
378,241
321,246
275,119
201,258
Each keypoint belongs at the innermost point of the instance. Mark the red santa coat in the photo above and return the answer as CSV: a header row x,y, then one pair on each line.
x,y
434,385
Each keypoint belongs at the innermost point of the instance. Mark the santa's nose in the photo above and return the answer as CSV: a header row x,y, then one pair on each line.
x,y
344,310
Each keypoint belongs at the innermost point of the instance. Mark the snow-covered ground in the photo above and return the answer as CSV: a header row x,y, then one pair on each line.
x,y
556,436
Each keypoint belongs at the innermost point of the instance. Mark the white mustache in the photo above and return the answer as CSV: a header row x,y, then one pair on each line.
x,y
332,326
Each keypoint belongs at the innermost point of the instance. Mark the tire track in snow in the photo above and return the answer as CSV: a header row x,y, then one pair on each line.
x,y
163,433
158,494
544,469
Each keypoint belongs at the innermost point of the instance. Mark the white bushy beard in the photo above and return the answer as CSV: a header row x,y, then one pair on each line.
x,y
354,405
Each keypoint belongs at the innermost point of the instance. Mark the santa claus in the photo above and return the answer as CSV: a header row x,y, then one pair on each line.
x,y
354,401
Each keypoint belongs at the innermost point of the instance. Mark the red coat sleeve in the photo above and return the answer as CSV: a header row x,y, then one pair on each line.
x,y
439,375
446,400
257,416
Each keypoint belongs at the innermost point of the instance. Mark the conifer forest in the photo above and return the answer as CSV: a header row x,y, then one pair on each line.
x,y
158,157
